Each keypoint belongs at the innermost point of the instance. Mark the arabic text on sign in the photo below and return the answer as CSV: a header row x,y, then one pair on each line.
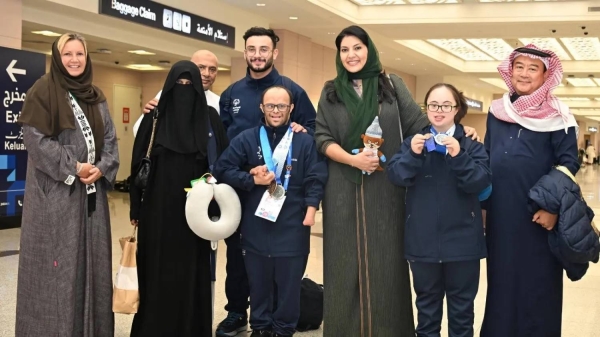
x,y
10,98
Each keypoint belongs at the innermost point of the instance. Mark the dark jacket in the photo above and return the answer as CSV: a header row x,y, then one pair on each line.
x,y
240,103
287,236
573,240
444,222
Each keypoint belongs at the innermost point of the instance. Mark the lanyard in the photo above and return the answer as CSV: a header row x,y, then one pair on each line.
x,y
268,156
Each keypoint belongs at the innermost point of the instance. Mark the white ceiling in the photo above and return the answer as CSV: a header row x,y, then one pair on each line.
x,y
401,35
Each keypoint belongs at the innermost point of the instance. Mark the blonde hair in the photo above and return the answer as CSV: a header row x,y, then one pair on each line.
x,y
62,41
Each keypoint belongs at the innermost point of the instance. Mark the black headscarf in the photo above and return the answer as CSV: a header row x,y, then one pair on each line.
x,y
183,112
47,108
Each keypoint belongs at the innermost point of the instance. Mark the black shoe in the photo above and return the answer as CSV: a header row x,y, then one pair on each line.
x,y
261,333
233,325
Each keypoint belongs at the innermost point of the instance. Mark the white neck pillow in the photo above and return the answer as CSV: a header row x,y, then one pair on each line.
x,y
196,210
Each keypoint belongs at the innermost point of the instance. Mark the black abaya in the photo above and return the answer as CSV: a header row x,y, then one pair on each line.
x,y
174,273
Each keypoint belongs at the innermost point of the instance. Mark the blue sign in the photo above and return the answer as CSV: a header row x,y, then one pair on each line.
x,y
173,20
19,70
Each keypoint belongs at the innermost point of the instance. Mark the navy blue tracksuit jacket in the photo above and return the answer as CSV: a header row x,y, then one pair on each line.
x,y
444,221
287,236
240,103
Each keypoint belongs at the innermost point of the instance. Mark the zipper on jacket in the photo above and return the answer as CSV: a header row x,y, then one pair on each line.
x,y
438,222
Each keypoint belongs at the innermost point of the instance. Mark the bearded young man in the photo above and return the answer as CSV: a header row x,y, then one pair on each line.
x,y
240,111
528,132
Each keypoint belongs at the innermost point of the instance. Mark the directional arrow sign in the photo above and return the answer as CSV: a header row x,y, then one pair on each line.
x,y
19,70
11,70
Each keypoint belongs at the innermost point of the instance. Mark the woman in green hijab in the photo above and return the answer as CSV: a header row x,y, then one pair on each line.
x,y
367,281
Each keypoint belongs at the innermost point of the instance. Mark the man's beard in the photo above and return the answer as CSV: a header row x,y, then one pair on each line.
x,y
267,66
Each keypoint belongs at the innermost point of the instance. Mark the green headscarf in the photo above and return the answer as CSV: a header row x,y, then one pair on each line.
x,y
362,110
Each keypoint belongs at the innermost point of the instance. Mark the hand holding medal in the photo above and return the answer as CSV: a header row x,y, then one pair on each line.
x,y
418,142
451,144
262,177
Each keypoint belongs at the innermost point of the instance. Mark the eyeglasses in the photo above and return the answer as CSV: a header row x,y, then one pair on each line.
x,y
183,81
280,107
211,70
262,51
445,108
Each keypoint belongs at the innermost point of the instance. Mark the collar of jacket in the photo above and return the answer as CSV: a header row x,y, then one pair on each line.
x,y
266,81
458,133
279,131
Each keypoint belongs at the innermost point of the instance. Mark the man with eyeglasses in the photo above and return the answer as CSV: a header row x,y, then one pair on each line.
x,y
208,64
240,110
280,206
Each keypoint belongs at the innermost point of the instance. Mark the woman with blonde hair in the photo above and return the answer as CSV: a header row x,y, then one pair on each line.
x,y
65,266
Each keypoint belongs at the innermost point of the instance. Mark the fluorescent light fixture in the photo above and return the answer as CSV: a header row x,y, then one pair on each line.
x,y
496,48
461,49
143,67
580,99
293,18
583,48
547,43
597,80
46,33
581,82
402,2
141,52
260,5
223,69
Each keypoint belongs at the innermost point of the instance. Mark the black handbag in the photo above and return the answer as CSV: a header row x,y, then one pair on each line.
x,y
143,172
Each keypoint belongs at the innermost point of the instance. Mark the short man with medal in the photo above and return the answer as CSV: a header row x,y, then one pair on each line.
x,y
281,195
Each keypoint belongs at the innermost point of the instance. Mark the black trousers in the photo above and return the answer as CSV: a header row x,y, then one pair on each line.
x,y
267,274
459,281
237,289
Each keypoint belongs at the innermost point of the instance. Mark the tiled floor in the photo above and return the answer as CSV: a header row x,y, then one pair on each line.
x,y
581,314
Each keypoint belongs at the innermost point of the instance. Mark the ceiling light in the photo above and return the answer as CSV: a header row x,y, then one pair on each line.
x,y
583,48
547,43
164,62
461,49
141,52
402,2
260,5
293,18
496,48
103,51
143,67
579,99
581,82
46,33
597,98
597,80
223,69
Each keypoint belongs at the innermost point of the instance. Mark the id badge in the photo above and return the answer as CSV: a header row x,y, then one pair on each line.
x,y
269,207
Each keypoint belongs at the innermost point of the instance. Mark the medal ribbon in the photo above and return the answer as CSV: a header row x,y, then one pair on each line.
x,y
432,145
284,146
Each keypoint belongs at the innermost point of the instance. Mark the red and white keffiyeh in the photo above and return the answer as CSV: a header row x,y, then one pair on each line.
x,y
540,111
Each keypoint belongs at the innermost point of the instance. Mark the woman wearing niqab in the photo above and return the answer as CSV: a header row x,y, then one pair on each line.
x,y
174,273
65,264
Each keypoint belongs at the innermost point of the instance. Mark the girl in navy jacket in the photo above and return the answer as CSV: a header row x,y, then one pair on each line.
x,y
444,172
275,250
